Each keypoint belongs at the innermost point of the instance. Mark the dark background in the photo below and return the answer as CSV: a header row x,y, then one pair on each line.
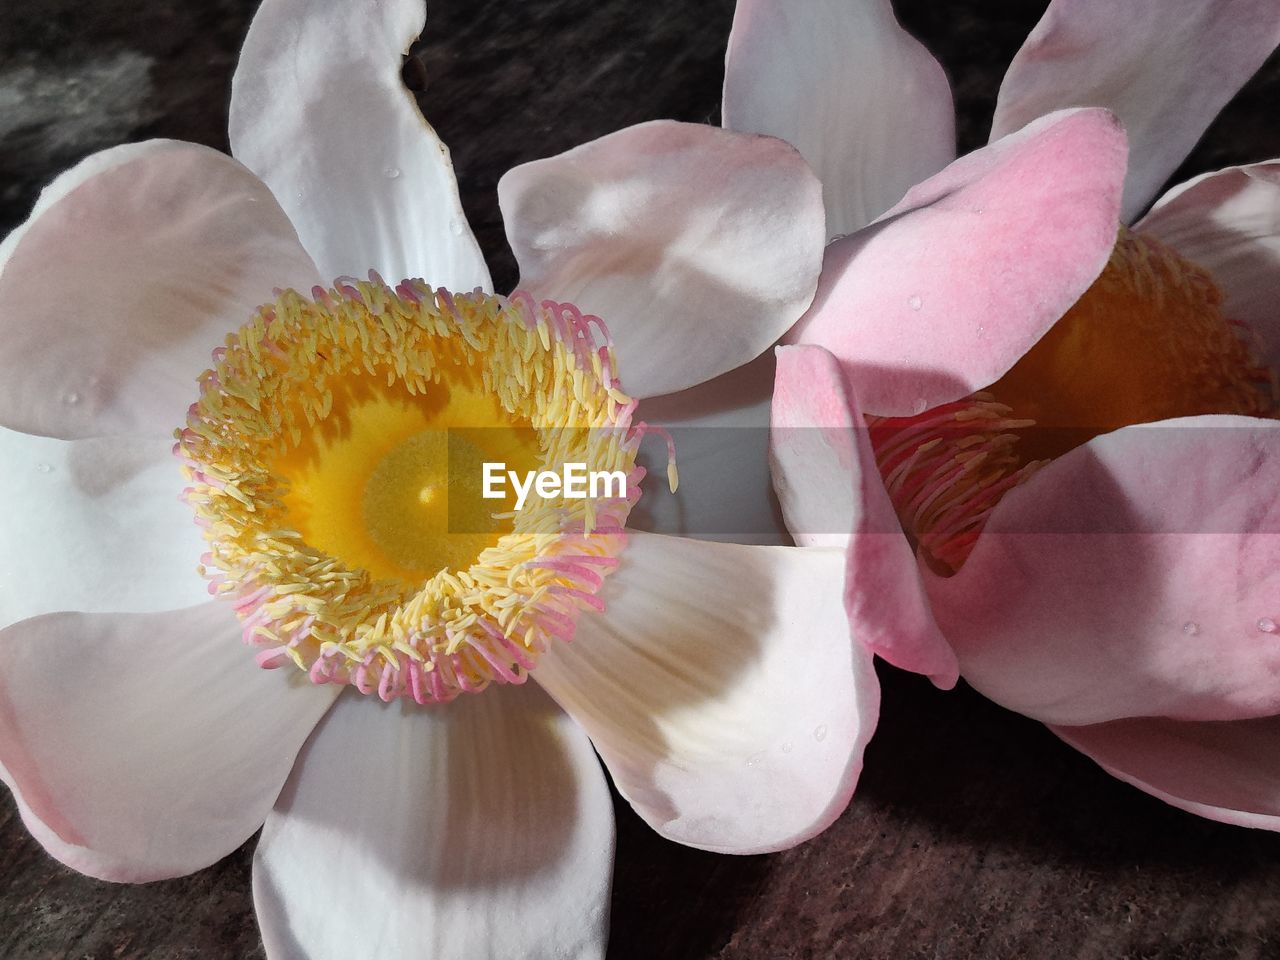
x,y
974,833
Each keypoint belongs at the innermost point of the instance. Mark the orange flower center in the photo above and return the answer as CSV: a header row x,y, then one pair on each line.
x,y
1148,341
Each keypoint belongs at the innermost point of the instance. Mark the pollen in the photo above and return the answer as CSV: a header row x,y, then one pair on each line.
x,y
1148,341
334,459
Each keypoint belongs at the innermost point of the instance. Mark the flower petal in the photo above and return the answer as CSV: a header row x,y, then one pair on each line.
x,y
144,746
318,111
1164,67
126,277
699,247
1136,575
861,99
1229,222
946,291
97,527
1226,771
721,434
831,494
482,828
722,690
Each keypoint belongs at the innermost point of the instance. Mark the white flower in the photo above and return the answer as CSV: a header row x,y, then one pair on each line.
x,y
140,738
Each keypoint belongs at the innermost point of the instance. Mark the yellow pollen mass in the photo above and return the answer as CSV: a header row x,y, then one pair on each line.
x,y
1148,341
335,458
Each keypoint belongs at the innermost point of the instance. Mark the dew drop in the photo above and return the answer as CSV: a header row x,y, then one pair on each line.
x,y
1267,625
755,758
786,747
45,467
915,302
1191,628
820,733
456,227
71,398
920,406
391,173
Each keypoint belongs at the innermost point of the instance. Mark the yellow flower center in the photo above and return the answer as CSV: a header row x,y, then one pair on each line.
x,y
1148,341
336,457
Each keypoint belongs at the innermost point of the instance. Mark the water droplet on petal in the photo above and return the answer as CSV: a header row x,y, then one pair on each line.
x,y
820,733
45,467
755,758
921,405
391,173
915,302
71,398
456,227
1191,628
1267,625
786,747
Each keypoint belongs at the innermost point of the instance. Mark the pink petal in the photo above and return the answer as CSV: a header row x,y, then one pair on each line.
x,y
1229,222
121,284
1164,67
94,526
318,111
144,746
482,828
1226,771
721,434
860,98
722,691
1136,575
699,247
831,493
946,291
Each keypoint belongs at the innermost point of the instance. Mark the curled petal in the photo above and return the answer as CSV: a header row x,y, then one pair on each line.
x,y
1223,770
1137,575
699,247
482,829
132,268
945,292
831,494
145,746
722,691
1164,67
858,96
318,111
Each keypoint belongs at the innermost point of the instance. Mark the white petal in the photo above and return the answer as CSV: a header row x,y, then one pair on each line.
x,y
723,691
861,99
144,746
94,526
721,434
318,111
132,269
1164,67
699,247
482,828
1229,222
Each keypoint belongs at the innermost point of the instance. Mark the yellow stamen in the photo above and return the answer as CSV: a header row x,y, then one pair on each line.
x,y
334,457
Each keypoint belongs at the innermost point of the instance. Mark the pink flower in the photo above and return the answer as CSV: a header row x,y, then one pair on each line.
x,y
1088,477
141,740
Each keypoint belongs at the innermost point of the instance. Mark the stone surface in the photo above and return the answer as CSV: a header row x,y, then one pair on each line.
x,y
975,833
